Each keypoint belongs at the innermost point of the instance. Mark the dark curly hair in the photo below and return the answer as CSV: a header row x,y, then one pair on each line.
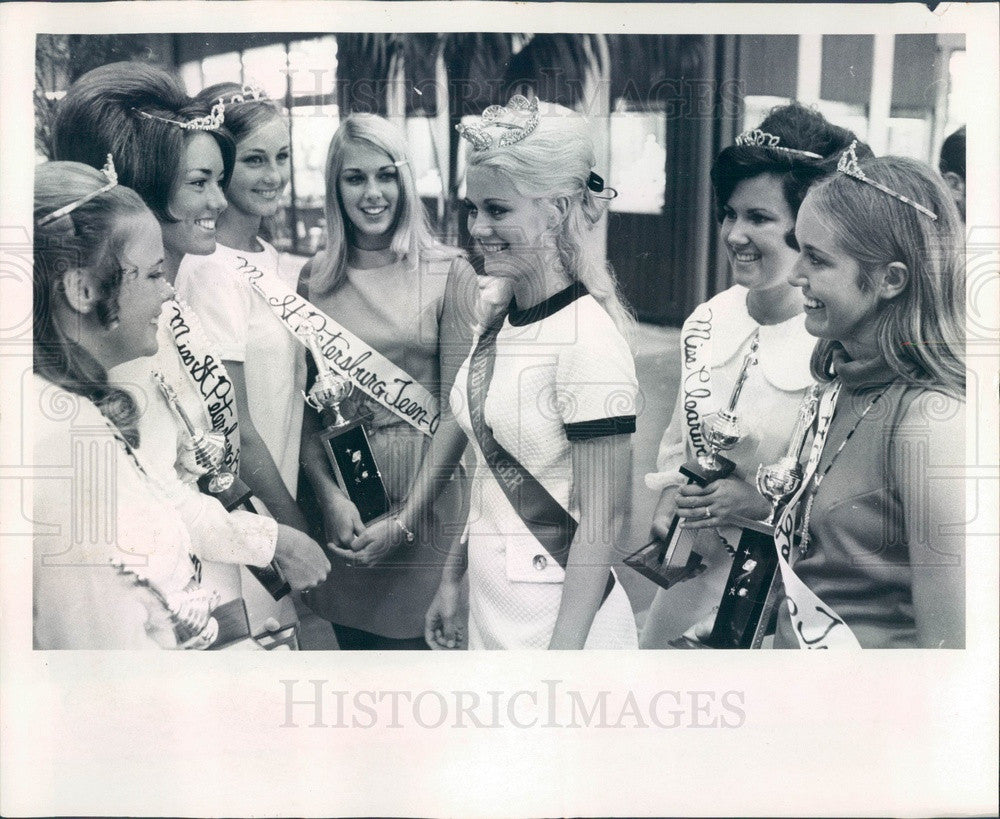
x,y
100,115
796,126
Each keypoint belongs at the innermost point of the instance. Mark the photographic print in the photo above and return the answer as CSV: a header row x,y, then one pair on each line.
x,y
375,349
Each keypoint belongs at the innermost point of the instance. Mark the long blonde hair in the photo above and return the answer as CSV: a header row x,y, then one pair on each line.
x,y
921,332
554,161
412,239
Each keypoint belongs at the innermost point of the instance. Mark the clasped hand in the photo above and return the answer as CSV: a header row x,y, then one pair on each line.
x,y
348,538
703,507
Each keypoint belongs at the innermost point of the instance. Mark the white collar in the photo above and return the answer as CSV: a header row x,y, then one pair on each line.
x,y
785,348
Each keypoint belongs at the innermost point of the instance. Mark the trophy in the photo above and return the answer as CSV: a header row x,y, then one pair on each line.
x,y
344,441
202,454
749,596
672,559
189,612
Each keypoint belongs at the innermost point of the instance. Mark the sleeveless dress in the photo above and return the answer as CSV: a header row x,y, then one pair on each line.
x,y
858,558
399,312
563,372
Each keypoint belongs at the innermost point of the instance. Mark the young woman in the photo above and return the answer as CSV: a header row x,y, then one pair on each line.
x,y
759,184
264,361
547,397
386,286
882,508
139,111
98,291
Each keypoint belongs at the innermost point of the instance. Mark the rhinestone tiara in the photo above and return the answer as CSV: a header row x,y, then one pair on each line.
x,y
762,139
502,125
848,165
109,173
211,122
249,93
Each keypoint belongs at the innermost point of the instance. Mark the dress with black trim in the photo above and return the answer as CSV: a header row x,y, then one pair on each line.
x,y
562,373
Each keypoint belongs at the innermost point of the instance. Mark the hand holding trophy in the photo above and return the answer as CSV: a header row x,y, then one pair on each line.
x,y
202,455
670,560
344,440
749,595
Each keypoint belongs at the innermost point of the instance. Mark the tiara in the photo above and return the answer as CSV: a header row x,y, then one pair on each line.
x,y
109,173
502,125
211,122
848,165
248,93
762,139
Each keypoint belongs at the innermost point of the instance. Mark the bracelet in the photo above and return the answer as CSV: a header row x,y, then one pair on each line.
x,y
408,536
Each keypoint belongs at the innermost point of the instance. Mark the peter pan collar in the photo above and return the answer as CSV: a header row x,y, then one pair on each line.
x,y
784,350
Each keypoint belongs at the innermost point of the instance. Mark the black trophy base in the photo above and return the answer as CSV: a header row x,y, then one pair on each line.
x,y
234,625
272,579
354,466
232,498
669,561
695,472
748,600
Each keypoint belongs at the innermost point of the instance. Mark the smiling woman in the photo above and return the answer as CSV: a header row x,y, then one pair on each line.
x,y
266,363
98,291
759,184
139,111
882,272
385,280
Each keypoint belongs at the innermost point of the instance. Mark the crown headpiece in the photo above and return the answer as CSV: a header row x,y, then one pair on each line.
x,y
762,139
109,173
248,93
212,121
502,125
848,165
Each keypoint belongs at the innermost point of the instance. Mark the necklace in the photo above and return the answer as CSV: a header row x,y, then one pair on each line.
x,y
818,479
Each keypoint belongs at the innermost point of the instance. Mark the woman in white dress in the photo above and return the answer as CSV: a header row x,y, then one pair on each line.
x,y
105,536
547,398
759,184
140,111
265,362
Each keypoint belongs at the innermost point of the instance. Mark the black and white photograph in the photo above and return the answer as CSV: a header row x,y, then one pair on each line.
x,y
363,352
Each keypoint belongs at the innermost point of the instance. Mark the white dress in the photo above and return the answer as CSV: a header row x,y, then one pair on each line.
x,y
767,410
562,370
92,504
217,535
243,328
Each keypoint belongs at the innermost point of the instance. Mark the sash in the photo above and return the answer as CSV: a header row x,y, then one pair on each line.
x,y
551,525
815,624
381,380
209,375
696,375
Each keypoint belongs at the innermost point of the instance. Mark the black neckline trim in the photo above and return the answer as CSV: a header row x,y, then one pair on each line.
x,y
553,304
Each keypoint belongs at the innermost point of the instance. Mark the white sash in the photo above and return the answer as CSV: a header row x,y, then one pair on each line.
x,y
386,383
815,624
210,378
696,372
